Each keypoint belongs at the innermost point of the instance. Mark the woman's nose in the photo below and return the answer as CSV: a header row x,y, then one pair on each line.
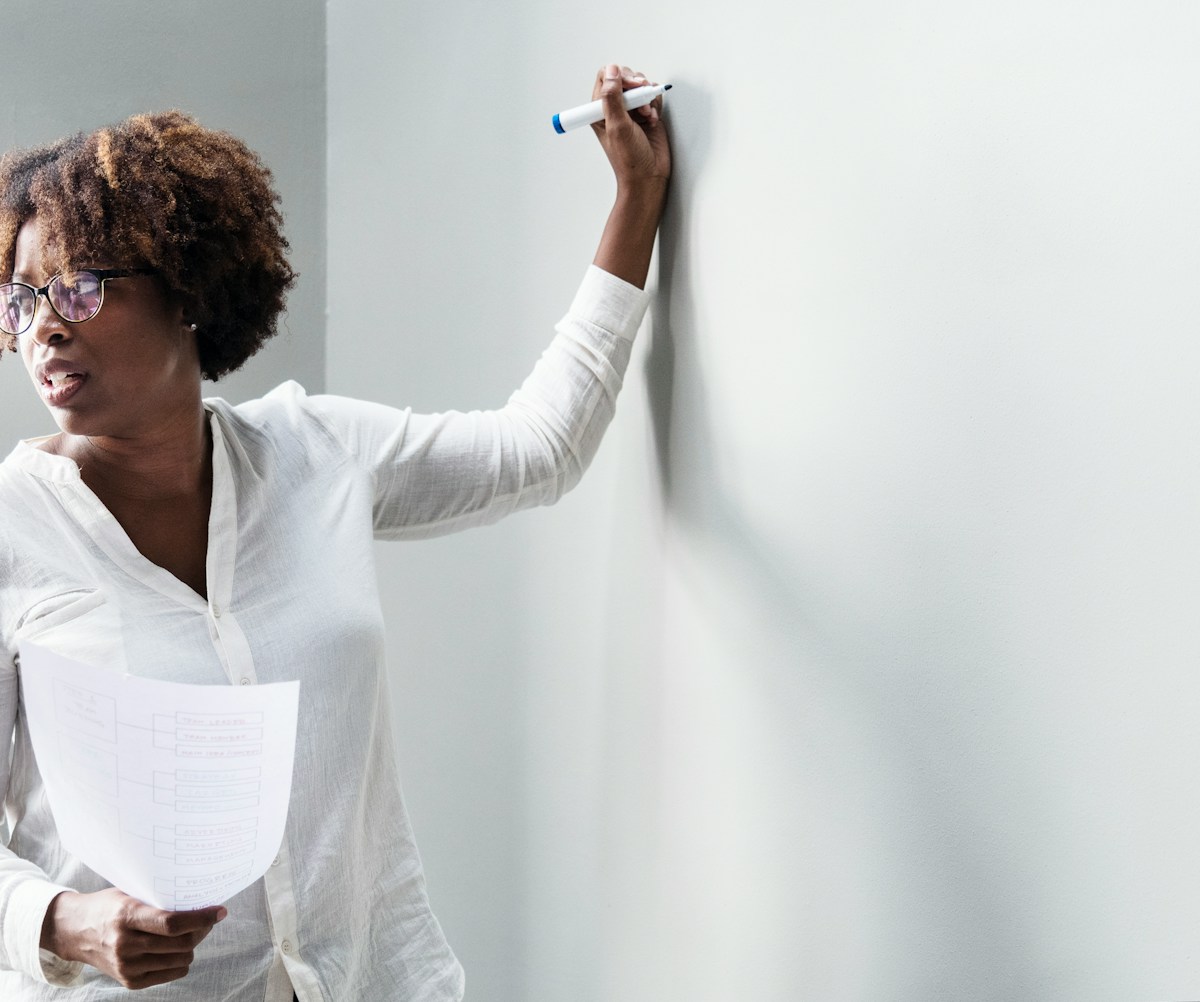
x,y
47,326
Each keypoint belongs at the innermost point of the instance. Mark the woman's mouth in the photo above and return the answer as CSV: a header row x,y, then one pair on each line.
x,y
59,387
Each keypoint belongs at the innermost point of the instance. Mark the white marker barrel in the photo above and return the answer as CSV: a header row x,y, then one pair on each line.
x,y
593,111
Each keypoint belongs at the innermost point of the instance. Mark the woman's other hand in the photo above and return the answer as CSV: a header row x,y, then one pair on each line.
x,y
135,944
636,141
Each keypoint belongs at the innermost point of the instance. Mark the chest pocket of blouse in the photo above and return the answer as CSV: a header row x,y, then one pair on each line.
x,y
81,624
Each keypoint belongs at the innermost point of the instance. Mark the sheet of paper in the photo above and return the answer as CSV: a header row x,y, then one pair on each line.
x,y
176,794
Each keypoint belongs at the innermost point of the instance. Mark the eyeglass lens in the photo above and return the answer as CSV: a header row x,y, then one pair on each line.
x,y
75,296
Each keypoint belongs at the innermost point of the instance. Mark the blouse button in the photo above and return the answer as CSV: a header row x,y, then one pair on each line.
x,y
275,861
286,945
245,681
216,611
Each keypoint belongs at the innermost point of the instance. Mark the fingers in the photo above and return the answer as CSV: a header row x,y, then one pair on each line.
x,y
151,946
144,942
173,924
143,970
618,80
647,112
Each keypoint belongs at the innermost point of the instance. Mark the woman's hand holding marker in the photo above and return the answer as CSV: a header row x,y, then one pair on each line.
x,y
639,151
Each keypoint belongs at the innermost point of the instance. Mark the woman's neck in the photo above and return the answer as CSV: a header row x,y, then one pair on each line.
x,y
173,461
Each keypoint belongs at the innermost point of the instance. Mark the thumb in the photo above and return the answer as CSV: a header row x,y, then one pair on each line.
x,y
164,923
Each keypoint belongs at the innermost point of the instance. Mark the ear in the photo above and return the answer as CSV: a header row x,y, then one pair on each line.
x,y
186,313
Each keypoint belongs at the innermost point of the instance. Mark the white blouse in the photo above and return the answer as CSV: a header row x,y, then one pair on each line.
x,y
301,488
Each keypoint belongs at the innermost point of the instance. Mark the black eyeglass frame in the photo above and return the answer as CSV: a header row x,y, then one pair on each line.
x,y
103,274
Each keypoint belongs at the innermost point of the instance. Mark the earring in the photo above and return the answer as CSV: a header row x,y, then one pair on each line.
x,y
192,327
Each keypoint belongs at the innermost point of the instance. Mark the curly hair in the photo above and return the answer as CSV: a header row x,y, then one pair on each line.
x,y
161,191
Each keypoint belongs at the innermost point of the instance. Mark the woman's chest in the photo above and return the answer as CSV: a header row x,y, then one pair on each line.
x,y
172,535
285,580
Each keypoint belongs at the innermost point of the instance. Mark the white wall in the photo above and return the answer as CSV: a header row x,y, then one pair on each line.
x,y
863,665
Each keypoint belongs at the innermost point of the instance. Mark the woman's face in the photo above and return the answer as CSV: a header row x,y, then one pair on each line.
x,y
120,374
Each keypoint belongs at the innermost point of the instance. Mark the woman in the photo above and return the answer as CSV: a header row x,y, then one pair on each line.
x,y
192,540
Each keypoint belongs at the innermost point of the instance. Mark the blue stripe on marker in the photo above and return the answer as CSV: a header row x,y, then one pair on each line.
x,y
558,128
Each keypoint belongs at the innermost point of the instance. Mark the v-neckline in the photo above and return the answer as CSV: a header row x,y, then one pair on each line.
x,y
102,526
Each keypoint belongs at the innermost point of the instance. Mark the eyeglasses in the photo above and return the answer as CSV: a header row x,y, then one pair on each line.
x,y
75,296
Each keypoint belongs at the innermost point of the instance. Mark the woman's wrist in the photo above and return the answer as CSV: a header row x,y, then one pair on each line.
x,y
628,239
647,194
53,926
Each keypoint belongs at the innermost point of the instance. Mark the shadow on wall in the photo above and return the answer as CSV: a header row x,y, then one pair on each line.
x,y
861,717
692,492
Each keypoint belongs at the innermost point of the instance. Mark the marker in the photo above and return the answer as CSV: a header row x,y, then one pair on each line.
x,y
593,111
